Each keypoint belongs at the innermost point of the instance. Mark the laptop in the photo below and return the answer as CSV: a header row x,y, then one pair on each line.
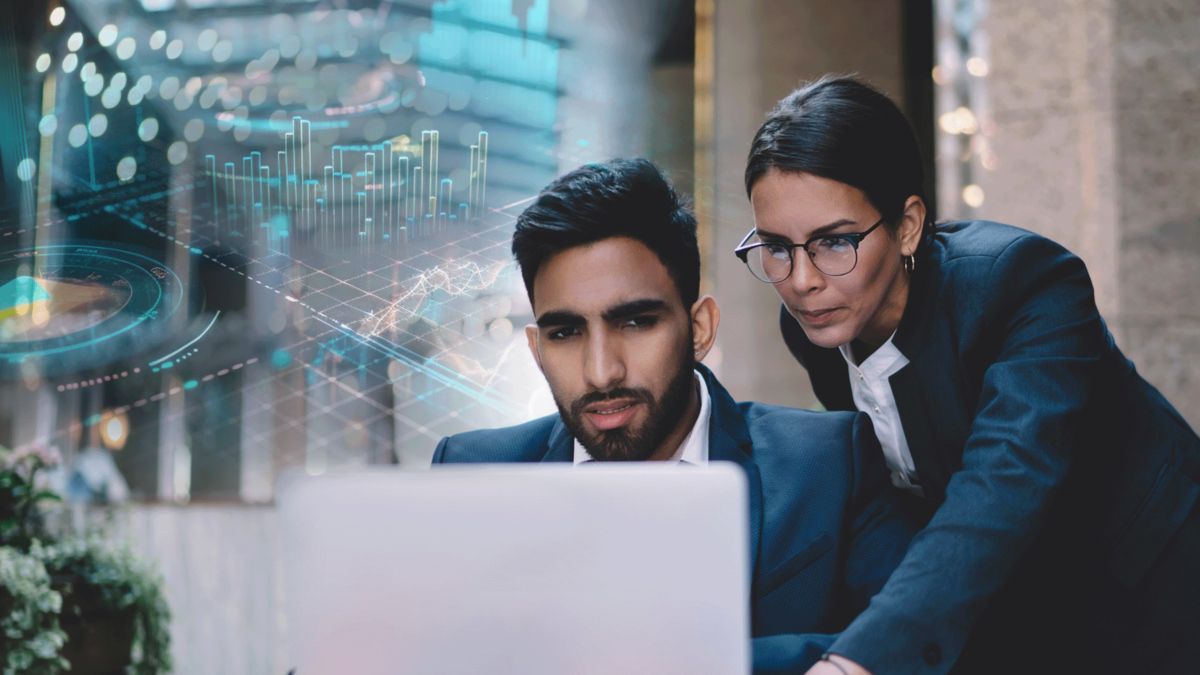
x,y
517,569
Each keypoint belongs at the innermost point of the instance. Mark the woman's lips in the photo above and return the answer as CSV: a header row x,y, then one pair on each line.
x,y
611,414
819,317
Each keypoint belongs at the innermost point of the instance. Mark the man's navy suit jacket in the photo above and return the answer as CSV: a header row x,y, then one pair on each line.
x,y
824,531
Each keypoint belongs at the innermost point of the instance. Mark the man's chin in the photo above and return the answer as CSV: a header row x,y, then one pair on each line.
x,y
615,446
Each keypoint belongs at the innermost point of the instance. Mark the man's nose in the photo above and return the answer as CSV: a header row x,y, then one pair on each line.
x,y
605,364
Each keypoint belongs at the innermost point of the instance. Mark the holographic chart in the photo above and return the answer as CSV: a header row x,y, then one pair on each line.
x,y
244,236
241,235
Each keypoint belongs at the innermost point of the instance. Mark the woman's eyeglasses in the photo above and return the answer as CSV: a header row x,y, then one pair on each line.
x,y
833,255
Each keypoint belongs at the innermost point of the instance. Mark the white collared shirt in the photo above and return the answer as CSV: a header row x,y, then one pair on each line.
x,y
873,395
694,448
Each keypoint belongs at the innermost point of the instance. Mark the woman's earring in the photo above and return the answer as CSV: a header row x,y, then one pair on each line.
x,y
910,264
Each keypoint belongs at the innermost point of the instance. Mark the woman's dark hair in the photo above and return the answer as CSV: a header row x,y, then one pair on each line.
x,y
618,198
844,130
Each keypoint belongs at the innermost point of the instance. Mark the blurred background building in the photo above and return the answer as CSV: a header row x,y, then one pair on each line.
x,y
238,236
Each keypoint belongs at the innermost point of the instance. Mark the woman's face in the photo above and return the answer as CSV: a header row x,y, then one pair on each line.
x,y
865,304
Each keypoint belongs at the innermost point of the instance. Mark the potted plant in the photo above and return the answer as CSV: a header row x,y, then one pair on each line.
x,y
20,493
76,603
113,611
32,640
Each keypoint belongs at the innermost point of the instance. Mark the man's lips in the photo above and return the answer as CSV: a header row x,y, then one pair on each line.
x,y
818,317
611,414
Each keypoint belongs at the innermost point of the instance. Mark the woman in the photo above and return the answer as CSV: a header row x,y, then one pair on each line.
x,y
1057,486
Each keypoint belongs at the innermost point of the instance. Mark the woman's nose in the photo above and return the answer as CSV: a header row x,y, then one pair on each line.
x,y
805,277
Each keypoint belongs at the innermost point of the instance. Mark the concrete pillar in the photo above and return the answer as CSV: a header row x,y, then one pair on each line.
x,y
1096,111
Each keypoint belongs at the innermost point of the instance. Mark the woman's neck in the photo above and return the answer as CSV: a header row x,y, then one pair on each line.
x,y
883,325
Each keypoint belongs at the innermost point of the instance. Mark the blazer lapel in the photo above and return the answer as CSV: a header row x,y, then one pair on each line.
x,y
729,441
914,337
560,447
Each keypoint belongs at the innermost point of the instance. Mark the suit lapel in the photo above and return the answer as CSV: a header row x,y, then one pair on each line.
x,y
560,447
729,441
914,338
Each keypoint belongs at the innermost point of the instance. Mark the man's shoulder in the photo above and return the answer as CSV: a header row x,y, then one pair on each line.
x,y
816,424
792,438
521,443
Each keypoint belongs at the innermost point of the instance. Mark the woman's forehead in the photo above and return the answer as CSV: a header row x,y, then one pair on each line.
x,y
796,204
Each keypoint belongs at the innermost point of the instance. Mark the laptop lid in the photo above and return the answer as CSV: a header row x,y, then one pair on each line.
x,y
522,569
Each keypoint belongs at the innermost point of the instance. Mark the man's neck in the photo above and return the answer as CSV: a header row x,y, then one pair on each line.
x,y
671,444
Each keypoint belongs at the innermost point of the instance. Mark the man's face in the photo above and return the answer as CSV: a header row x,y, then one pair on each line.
x,y
615,344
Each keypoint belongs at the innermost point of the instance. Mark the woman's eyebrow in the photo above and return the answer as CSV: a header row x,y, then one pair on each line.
x,y
824,229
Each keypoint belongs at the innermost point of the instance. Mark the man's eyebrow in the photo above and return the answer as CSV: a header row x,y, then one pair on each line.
x,y
560,318
633,308
824,229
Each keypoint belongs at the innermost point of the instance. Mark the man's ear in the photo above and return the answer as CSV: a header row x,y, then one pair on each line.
x,y
706,316
531,334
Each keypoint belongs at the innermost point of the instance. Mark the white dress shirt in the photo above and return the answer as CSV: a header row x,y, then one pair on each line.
x,y
693,450
873,395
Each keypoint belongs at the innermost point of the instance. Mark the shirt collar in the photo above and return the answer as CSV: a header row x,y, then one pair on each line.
x,y
882,362
694,448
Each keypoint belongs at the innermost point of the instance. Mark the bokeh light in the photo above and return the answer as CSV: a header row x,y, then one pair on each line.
x,y
48,125
148,129
193,130
98,125
107,35
77,136
972,195
207,39
126,168
126,48
177,153
26,169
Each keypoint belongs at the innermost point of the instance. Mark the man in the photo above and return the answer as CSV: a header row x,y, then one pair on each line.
x,y
609,257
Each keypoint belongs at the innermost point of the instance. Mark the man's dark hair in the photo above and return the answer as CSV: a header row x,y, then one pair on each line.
x,y
619,198
842,129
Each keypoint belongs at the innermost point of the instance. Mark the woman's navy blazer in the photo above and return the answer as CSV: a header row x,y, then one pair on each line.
x,y
1061,479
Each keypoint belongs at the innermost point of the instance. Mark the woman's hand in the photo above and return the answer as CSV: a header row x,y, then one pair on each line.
x,y
837,665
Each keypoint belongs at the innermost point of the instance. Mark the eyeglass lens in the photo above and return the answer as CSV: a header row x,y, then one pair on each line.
x,y
833,256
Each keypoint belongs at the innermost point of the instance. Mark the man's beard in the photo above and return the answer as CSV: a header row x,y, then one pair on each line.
x,y
624,444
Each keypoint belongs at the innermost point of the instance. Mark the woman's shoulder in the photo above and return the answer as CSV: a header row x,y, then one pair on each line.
x,y
984,238
995,250
988,269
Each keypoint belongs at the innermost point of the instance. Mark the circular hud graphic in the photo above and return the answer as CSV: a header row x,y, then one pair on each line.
x,y
69,307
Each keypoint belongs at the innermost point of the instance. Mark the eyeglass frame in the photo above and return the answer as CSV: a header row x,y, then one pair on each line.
x,y
855,238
